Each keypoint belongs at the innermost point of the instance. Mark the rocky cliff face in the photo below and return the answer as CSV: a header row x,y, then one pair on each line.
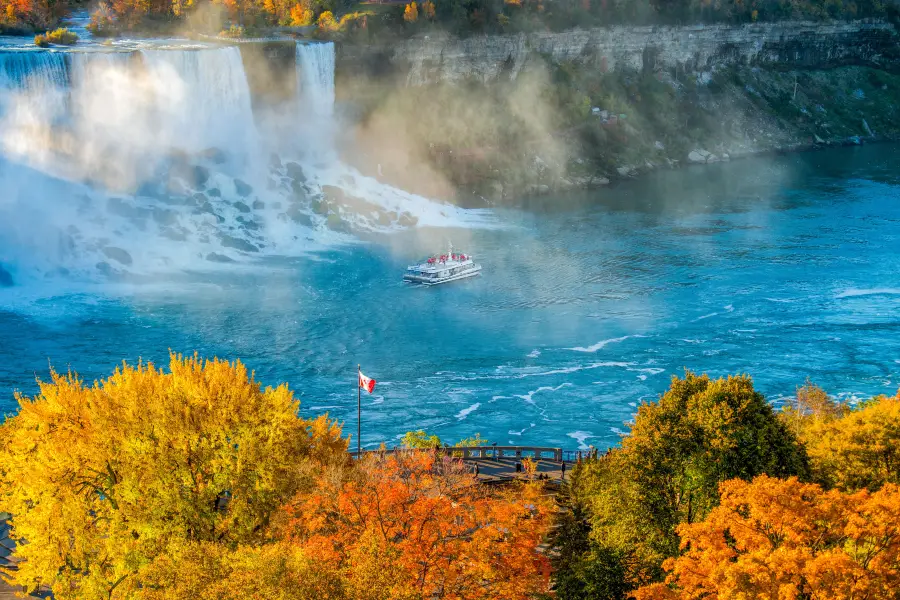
x,y
435,58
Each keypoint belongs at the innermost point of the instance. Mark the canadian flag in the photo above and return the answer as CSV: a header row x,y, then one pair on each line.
x,y
366,383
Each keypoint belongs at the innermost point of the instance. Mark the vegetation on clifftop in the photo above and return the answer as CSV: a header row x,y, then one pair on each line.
x,y
540,132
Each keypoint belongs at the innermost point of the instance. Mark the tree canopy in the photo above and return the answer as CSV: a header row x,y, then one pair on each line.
x,y
412,525
777,538
106,481
854,448
700,433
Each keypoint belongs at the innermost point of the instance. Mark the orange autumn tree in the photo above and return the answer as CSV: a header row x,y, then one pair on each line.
x,y
413,526
775,538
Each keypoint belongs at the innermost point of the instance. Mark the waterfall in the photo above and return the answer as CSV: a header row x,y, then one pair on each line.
x,y
29,69
84,67
315,77
203,95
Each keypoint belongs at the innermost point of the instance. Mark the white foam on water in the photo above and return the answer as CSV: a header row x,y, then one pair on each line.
x,y
461,415
581,437
855,293
534,353
729,308
521,431
603,343
529,397
708,316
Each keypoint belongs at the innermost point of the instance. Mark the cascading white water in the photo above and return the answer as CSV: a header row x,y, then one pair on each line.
x,y
209,103
86,67
104,165
315,78
30,69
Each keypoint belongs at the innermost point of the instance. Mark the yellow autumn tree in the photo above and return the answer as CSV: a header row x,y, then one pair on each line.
x,y
857,448
301,16
411,13
776,538
428,9
326,21
109,483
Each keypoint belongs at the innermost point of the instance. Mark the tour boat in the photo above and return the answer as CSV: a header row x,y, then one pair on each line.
x,y
442,268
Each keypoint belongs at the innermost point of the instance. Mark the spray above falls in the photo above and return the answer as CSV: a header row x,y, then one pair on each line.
x,y
151,160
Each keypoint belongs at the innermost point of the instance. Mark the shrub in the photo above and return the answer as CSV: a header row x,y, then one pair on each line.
x,y
327,22
235,31
411,13
301,17
61,37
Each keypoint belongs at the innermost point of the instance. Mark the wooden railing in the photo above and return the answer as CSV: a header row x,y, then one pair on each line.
x,y
495,452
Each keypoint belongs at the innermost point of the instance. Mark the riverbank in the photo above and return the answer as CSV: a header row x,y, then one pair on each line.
x,y
561,126
500,116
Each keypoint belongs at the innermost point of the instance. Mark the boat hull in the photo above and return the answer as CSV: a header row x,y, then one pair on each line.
x,y
430,282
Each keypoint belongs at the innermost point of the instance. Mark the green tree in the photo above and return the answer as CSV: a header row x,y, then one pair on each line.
x,y
419,439
109,483
668,470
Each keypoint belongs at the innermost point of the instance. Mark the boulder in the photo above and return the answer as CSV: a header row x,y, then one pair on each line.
x,y
242,188
214,193
201,175
194,176
299,191
118,206
237,243
298,216
215,155
218,258
176,235
332,193
165,217
105,268
295,171
6,279
242,207
335,223
258,205
407,220
117,254
248,224
319,207
702,156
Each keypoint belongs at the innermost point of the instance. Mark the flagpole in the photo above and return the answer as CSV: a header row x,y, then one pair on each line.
x,y
358,414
